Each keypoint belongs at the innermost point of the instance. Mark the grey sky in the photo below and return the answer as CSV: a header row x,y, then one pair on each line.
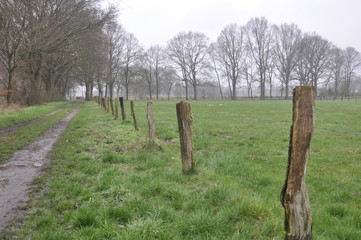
x,y
157,21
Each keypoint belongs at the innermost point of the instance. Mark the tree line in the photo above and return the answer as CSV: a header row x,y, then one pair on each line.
x,y
49,47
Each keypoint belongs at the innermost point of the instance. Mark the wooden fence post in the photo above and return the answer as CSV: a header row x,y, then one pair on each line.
x,y
184,115
121,100
133,115
116,110
151,124
294,196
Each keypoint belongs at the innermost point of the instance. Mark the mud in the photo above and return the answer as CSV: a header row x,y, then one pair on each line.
x,y
25,165
8,130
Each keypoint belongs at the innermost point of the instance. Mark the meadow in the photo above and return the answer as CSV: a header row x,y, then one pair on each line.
x,y
108,182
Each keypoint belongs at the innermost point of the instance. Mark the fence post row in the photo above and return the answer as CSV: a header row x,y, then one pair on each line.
x,y
151,124
184,115
294,196
133,115
121,101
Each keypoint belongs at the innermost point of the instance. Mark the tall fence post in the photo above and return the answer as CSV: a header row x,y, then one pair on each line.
x,y
116,109
184,115
294,196
121,101
133,115
151,124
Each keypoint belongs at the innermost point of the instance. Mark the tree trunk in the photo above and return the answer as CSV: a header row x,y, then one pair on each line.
x,y
121,101
195,92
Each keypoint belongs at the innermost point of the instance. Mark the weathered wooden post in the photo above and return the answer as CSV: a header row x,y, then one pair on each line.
x,y
294,196
133,115
116,110
184,115
121,100
151,124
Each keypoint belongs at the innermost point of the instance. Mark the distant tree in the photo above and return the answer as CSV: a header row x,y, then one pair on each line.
x,y
155,55
12,28
132,53
196,58
260,45
176,51
286,42
336,68
230,50
352,64
115,48
215,65
313,59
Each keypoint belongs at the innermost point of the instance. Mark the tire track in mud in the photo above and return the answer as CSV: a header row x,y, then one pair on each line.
x,y
25,165
11,129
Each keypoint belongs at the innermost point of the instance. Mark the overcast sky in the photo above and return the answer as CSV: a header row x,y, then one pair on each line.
x,y
157,21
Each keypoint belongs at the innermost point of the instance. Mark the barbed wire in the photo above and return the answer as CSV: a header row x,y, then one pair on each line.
x,y
274,122
352,191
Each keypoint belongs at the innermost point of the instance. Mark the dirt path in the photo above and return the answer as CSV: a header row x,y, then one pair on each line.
x,y
8,130
23,168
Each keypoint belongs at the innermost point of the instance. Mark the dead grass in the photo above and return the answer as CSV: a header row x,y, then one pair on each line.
x,y
5,108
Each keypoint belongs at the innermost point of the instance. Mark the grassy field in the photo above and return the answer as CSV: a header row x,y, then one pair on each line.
x,y
25,114
107,182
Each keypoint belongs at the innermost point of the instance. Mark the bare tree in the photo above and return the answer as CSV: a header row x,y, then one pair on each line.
x,y
155,55
215,65
196,50
115,47
259,44
286,38
352,64
176,51
231,52
337,63
12,28
314,58
131,55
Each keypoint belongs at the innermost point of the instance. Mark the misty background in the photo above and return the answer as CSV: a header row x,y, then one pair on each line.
x,y
51,50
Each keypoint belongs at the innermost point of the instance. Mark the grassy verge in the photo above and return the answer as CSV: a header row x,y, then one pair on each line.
x,y
106,182
25,114
24,135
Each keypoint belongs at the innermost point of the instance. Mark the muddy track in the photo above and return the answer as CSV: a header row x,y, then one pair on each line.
x,y
25,165
11,129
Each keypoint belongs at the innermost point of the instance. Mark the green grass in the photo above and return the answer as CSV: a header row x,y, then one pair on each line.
x,y
25,114
107,182
24,135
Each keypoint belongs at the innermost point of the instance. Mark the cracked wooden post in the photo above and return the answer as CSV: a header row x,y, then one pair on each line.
x,y
294,196
184,115
133,115
151,124
116,109
121,101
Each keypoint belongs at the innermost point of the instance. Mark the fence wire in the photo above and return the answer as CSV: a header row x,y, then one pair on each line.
x,y
273,122
330,183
